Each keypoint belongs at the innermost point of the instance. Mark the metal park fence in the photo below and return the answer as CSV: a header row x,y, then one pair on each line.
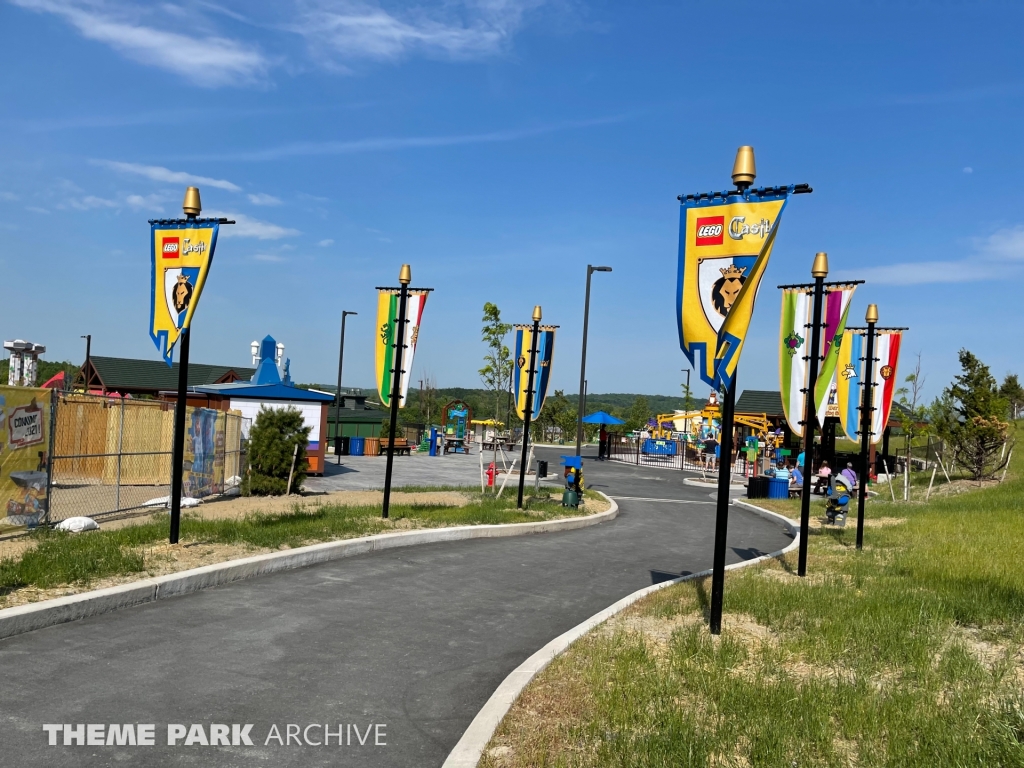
x,y
111,454
670,454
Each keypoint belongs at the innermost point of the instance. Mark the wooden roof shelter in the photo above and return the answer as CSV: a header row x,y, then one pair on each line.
x,y
126,376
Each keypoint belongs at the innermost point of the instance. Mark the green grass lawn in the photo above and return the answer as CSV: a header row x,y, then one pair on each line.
x,y
909,653
64,559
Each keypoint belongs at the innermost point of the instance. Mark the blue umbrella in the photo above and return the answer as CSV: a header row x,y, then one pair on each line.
x,y
601,418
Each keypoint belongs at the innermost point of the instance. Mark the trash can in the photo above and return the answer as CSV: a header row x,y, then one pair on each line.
x,y
341,445
757,488
371,446
542,468
778,489
356,446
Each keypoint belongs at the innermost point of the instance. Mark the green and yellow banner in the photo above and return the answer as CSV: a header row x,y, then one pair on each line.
x,y
182,253
384,349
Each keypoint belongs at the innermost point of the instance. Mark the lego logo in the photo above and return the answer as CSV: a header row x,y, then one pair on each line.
x,y
710,230
172,247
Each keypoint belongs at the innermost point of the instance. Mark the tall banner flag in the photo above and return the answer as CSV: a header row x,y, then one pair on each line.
x,y
850,380
521,367
724,247
794,335
833,320
387,319
182,253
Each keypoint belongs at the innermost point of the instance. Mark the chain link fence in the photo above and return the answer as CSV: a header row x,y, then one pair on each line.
x,y
113,455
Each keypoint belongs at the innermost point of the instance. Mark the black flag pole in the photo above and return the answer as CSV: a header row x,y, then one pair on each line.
x,y
528,412
819,270
722,509
404,278
866,407
192,207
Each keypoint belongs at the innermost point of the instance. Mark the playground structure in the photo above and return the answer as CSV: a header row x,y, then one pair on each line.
x,y
456,417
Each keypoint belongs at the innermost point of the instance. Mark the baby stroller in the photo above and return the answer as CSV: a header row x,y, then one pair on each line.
x,y
837,502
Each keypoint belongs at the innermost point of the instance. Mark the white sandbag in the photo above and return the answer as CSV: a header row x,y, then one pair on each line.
x,y
78,524
165,501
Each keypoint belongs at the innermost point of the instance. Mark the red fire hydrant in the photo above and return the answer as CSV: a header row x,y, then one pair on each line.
x,y
491,473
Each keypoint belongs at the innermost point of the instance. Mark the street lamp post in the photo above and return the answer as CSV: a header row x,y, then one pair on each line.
x,y
341,360
583,358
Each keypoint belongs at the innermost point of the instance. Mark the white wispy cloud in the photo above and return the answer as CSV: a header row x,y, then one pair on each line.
x,y
263,199
146,202
388,143
325,243
355,29
8,196
1000,253
36,209
166,175
206,60
89,202
246,226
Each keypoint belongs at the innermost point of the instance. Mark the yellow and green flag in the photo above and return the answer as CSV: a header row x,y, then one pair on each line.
x,y
387,320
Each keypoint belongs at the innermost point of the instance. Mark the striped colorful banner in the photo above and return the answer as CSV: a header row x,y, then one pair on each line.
x,y
833,316
387,319
521,367
850,379
795,335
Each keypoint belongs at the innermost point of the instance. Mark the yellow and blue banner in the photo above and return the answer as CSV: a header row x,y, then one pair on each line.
x,y
724,246
182,253
521,367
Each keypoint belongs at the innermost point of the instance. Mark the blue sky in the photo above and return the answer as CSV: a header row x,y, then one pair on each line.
x,y
499,146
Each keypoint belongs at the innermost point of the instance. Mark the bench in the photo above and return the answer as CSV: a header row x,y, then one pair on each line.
x,y
401,446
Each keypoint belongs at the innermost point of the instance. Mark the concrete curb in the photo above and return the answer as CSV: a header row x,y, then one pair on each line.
x,y
471,746
712,485
46,613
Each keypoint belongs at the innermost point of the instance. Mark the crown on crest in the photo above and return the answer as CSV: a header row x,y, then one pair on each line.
x,y
732,272
182,279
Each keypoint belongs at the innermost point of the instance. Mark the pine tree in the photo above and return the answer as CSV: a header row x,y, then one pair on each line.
x,y
969,415
272,443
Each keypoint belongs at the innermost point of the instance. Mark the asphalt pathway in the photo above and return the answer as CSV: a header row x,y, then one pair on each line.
x,y
411,642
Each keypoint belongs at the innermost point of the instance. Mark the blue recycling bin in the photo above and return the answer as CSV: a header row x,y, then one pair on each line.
x,y
778,489
433,441
356,446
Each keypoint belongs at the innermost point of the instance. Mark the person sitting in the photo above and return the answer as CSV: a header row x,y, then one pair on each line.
x,y
782,472
796,481
822,478
850,475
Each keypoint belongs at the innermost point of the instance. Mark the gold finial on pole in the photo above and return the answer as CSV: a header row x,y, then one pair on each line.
x,y
192,205
743,170
405,276
820,266
871,315
536,314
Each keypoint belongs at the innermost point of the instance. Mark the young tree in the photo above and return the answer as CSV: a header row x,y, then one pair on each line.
x,y
272,444
1013,393
498,360
969,415
639,413
915,420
